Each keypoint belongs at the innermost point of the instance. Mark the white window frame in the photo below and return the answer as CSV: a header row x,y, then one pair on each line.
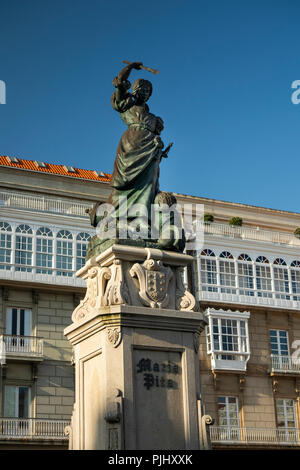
x,y
236,360
228,431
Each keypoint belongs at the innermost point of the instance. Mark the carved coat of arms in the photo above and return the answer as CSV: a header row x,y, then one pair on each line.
x,y
154,280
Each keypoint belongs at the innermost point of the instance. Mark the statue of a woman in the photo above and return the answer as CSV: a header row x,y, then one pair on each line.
x,y
135,179
136,167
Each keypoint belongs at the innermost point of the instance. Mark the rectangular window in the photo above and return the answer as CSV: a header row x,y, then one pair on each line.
x,y
80,254
16,402
18,322
281,283
227,277
228,418
263,280
245,279
209,275
226,337
23,253
64,258
279,342
286,420
295,276
44,255
5,251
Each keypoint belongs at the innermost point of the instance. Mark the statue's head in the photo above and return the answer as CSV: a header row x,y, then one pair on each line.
x,y
142,89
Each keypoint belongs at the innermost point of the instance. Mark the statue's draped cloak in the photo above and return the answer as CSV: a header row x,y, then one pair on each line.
x,y
136,167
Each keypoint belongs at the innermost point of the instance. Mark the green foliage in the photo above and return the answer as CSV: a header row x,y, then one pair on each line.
x,y
297,232
238,221
208,217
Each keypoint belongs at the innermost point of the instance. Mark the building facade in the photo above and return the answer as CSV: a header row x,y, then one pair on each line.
x,y
246,279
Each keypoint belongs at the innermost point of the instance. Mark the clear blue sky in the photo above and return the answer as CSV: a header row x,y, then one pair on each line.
x,y
224,89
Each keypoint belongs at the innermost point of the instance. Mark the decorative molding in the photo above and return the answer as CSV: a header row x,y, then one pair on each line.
x,y
116,292
242,379
5,293
88,304
114,336
275,384
184,299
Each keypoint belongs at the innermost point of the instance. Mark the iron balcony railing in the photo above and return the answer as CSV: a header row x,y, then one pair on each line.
x,y
285,364
260,436
33,428
22,345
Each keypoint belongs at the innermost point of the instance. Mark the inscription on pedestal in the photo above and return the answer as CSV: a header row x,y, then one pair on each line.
x,y
159,399
158,374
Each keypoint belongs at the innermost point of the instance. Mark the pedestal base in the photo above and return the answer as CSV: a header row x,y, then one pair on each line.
x,y
137,369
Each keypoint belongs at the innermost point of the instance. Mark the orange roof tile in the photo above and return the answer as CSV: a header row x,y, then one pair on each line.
x,y
53,169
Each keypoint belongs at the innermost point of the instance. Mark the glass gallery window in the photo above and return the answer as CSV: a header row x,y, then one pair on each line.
x,y
64,253
263,277
23,254
81,246
227,339
227,273
245,275
5,245
44,251
208,271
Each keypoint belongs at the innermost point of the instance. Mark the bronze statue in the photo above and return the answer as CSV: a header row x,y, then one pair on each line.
x,y
135,178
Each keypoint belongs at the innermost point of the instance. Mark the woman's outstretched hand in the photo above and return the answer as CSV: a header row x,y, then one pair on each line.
x,y
136,65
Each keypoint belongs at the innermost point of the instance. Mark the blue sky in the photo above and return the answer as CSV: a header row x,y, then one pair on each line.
x,y
224,89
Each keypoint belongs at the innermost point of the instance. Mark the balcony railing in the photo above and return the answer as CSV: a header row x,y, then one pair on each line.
x,y
32,276
268,301
285,364
29,346
258,436
43,204
32,428
251,233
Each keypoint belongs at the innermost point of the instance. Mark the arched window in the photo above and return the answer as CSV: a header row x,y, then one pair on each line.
x,y
23,255
295,277
208,271
227,273
281,279
263,277
245,275
81,245
64,253
44,250
5,246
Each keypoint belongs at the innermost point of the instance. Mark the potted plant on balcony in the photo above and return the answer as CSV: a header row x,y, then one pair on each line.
x,y
236,221
297,232
208,218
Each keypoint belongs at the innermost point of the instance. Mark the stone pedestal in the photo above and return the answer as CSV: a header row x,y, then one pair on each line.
x,y
135,337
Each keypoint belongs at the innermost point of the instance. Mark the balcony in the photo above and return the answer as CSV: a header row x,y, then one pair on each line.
x,y
224,435
285,365
43,204
236,363
22,347
251,233
32,429
32,276
254,299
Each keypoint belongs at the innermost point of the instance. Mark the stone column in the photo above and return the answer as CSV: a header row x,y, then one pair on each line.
x,y
135,337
